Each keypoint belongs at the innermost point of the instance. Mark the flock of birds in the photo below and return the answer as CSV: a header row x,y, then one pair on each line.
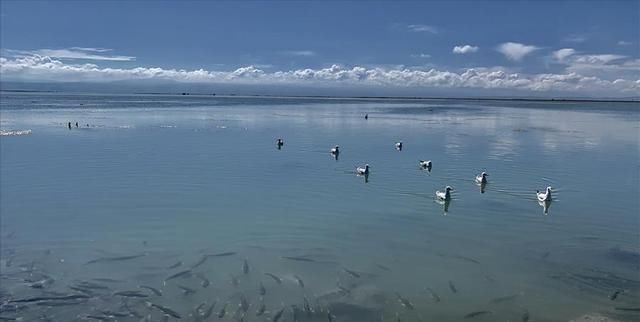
x,y
481,179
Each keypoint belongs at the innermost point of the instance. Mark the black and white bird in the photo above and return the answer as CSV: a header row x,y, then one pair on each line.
x,y
544,196
482,178
399,146
444,195
425,164
363,170
335,150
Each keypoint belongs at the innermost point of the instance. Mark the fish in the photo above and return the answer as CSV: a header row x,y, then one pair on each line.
x,y
404,302
204,280
245,267
223,311
452,287
299,259
155,291
200,262
186,290
209,311
615,294
275,278
434,296
130,294
260,311
278,315
184,273
113,259
176,265
476,313
165,310
222,254
504,298
629,309
352,273
299,280
244,304
525,316
263,290
50,298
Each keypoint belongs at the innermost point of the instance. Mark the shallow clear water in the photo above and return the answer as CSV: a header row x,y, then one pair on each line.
x,y
176,178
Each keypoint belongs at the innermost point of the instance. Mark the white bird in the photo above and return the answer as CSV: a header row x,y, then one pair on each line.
x,y
425,163
544,196
444,195
482,178
363,170
399,145
335,150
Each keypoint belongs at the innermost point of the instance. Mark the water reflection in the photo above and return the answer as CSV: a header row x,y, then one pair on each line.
x,y
482,186
445,205
545,206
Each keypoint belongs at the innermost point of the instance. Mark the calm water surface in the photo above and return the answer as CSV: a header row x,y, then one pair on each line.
x,y
177,178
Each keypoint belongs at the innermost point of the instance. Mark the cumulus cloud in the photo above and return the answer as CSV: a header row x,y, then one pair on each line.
x,y
423,28
563,53
306,53
516,51
624,43
44,68
83,53
465,49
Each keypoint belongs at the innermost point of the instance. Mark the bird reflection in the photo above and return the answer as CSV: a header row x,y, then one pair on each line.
x,y
545,206
445,204
279,143
482,186
366,177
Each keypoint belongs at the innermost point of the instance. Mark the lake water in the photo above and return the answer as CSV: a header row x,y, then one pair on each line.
x,y
180,178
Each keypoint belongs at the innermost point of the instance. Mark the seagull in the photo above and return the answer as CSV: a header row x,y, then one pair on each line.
x,y
279,142
444,195
544,196
363,170
335,150
482,178
399,145
425,164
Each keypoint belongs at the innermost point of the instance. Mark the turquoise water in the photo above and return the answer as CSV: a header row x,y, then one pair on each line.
x,y
175,178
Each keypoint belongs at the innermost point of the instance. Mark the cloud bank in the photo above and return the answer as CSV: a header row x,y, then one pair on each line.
x,y
466,49
516,51
82,53
45,68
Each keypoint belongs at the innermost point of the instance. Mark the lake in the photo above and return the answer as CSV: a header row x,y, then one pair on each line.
x,y
148,186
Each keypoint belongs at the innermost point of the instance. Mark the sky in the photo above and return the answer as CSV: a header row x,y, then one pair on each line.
x,y
517,48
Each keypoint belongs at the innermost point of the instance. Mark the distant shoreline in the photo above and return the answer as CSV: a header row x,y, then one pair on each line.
x,y
415,98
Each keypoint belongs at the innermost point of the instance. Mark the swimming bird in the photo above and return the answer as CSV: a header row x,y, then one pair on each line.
x,y
399,146
425,164
363,170
444,195
482,178
544,196
335,150
279,142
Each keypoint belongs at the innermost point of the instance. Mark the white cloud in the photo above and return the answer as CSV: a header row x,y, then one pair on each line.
x,y
563,53
516,51
597,59
578,38
43,68
75,53
421,55
306,53
624,43
423,28
465,49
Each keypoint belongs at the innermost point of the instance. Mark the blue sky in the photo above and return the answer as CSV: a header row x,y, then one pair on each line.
x,y
572,47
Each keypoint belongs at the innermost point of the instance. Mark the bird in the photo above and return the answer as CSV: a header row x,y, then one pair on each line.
x,y
482,178
544,196
363,170
366,116
279,142
425,164
335,150
444,195
399,145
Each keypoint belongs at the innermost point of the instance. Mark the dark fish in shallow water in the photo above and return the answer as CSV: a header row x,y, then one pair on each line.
x,y
278,315
404,302
261,309
244,304
433,294
299,280
352,273
186,290
504,298
155,291
275,278
50,298
114,259
263,290
201,261
165,310
222,254
452,287
82,290
476,314
489,278
176,265
223,311
130,294
184,273
615,294
204,281
245,267
299,259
